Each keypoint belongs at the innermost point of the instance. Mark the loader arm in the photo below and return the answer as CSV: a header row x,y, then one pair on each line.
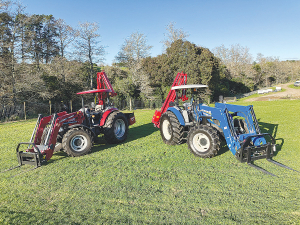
x,y
45,138
103,83
180,79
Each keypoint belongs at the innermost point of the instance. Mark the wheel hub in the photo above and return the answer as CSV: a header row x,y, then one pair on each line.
x,y
78,143
201,142
119,128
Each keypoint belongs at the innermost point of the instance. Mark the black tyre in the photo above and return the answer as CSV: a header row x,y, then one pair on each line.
x,y
170,129
203,141
116,128
77,142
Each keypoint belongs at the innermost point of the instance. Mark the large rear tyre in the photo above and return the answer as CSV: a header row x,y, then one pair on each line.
x,y
116,128
170,129
203,141
77,142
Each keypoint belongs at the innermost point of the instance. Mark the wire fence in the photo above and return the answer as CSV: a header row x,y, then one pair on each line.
x,y
20,111
25,110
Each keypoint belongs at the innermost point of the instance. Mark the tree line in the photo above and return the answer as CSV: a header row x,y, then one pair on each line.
x,y
43,59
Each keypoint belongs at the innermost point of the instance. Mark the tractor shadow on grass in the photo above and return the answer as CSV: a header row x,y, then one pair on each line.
x,y
100,144
265,128
134,133
272,129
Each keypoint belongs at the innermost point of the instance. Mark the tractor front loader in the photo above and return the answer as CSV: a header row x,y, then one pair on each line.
x,y
203,126
75,132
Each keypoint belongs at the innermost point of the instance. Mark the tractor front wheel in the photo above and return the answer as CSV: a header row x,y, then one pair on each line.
x,y
77,142
116,128
203,141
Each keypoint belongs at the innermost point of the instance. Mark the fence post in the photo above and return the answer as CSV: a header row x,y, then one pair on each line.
x,y
25,110
130,104
71,106
50,106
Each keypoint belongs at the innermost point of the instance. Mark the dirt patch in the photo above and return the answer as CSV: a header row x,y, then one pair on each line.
x,y
289,93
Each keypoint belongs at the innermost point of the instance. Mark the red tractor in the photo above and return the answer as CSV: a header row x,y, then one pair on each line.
x,y
75,132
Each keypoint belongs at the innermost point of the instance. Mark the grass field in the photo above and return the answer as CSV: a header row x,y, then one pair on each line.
x,y
144,181
292,86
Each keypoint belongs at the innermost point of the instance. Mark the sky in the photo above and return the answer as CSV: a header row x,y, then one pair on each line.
x,y
269,27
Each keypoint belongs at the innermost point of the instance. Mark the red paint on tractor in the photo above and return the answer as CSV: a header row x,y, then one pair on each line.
x,y
106,114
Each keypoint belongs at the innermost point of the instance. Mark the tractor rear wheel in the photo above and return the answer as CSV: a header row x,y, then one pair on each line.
x,y
77,142
203,141
171,130
116,128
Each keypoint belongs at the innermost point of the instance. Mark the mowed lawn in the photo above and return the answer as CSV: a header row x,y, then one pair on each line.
x,y
145,181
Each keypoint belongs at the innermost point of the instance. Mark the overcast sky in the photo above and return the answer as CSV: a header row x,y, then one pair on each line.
x,y
270,27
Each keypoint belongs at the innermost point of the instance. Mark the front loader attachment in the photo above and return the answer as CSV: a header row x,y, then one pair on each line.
x,y
31,158
243,135
249,153
38,142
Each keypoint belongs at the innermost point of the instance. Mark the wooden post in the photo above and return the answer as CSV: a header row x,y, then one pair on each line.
x,y
50,106
130,106
71,106
25,110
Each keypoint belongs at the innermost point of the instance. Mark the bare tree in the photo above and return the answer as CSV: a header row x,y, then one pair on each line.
x,y
66,35
173,35
238,61
131,54
134,50
88,45
4,5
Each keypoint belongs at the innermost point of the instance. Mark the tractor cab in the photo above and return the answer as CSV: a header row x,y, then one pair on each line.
x,y
94,111
186,92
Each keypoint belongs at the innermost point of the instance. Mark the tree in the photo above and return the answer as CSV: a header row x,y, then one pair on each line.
x,y
4,5
173,35
238,61
131,54
66,35
41,38
88,45
50,45
133,50
10,23
199,63
268,69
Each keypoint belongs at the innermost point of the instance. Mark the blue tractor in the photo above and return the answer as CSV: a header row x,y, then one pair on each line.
x,y
203,126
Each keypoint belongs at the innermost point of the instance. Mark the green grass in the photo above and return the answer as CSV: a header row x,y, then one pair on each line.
x,y
145,181
292,86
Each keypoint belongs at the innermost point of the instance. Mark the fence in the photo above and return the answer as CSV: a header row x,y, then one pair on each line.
x,y
10,112
132,104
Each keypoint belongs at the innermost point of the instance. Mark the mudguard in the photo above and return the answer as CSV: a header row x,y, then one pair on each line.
x,y
178,114
105,115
